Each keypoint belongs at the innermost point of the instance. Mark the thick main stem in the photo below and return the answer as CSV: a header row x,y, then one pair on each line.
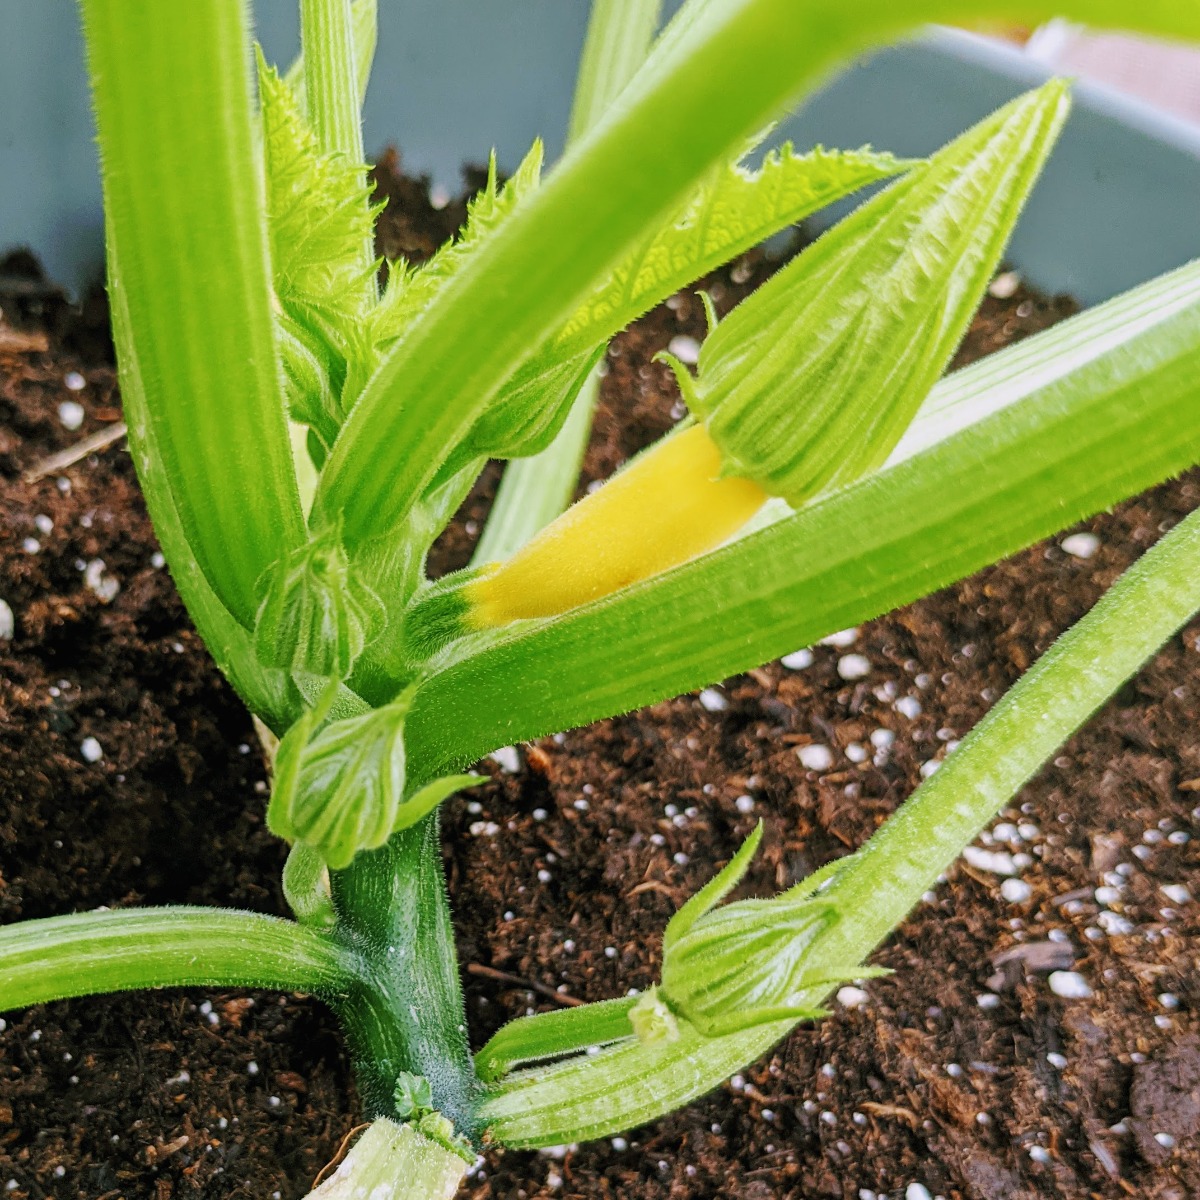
x,y
407,1015
126,949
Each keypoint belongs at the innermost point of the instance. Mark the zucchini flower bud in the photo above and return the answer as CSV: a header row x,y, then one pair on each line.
x,y
317,614
745,964
812,380
340,784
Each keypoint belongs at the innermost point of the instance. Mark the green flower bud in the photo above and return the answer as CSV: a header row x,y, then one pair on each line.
x,y
317,614
810,382
339,788
750,962
340,783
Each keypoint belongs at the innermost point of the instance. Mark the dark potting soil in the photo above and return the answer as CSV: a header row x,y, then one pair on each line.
x,y
129,774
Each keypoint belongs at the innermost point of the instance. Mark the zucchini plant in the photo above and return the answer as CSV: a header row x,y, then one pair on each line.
x,y
303,434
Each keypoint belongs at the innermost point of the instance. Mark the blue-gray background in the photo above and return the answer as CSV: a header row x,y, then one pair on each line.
x,y
453,78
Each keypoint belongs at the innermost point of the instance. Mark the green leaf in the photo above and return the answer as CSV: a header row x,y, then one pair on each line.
x,y
320,214
733,210
411,290
1048,445
812,380
339,788
184,209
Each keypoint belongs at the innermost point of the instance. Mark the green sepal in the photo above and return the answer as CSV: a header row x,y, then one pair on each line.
x,y
422,802
714,891
339,788
527,415
748,955
438,615
749,963
317,614
811,381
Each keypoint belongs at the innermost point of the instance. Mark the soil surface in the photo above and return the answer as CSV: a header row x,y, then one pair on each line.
x,y
129,775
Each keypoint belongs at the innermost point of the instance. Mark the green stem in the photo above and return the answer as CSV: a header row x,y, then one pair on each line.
x,y
1086,666
331,87
306,887
408,1014
619,36
535,490
86,953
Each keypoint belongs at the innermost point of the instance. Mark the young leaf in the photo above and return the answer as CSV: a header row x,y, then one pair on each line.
x,y
184,210
811,381
733,210
410,291
319,210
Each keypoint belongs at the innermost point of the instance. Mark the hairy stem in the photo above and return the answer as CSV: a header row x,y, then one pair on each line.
x,y
332,88
407,1015
619,36
535,490
87,953
1086,666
